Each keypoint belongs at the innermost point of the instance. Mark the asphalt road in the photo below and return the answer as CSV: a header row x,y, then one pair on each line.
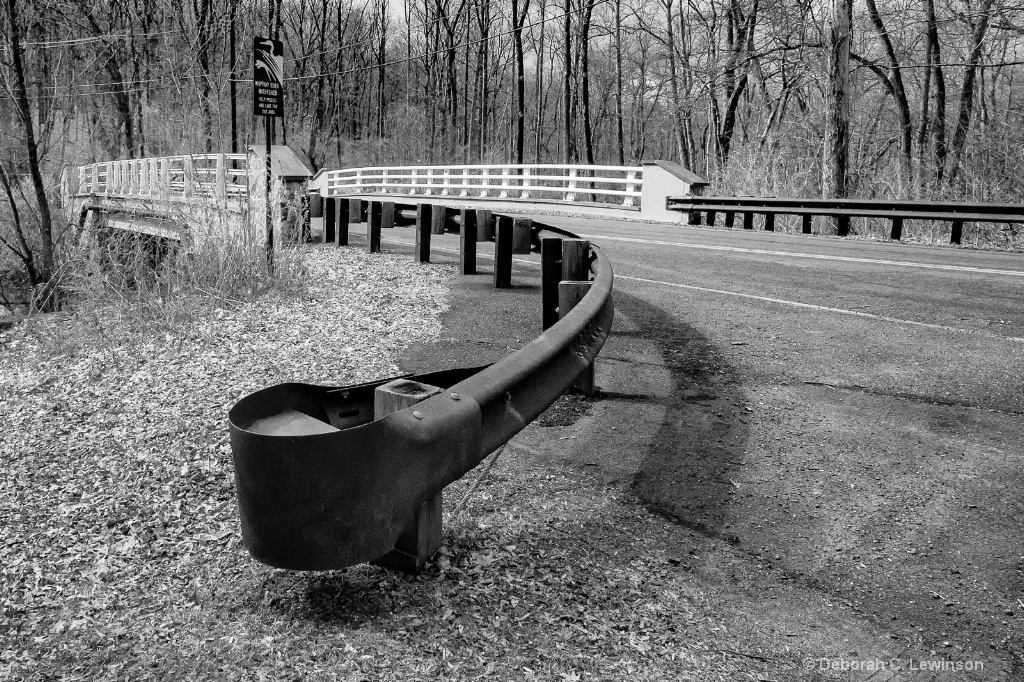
x,y
848,412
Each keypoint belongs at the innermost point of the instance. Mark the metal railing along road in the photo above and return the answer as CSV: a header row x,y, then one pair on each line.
x,y
619,185
955,212
219,178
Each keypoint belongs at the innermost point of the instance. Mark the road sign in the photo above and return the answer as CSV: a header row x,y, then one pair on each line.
x,y
268,77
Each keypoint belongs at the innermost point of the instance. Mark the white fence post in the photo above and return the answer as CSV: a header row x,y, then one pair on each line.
x,y
630,187
571,194
503,194
526,183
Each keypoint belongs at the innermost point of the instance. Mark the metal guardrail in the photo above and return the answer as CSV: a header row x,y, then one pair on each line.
x,y
615,184
956,213
344,491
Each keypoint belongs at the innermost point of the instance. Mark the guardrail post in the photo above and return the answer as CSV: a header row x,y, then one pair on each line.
x,y
710,218
422,538
467,242
316,206
373,227
355,210
550,276
330,219
437,218
341,225
808,223
484,225
423,224
769,222
569,294
730,219
503,253
843,225
748,220
387,218
525,183
897,229
575,260
958,232
521,228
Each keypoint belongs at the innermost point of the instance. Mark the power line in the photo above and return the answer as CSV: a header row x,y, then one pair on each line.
x,y
98,38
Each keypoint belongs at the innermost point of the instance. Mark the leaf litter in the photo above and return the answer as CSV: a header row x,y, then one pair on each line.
x,y
121,559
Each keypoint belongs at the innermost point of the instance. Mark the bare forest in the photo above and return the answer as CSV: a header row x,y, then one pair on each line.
x,y
881,98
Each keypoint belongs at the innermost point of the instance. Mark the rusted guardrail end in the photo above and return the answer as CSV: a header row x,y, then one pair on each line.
x,y
321,484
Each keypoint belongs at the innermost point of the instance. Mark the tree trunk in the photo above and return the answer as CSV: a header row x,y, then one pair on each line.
x,y
44,269
588,132
673,82
837,105
619,137
963,122
938,121
569,137
896,81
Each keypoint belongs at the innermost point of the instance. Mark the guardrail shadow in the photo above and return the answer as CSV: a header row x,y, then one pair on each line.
x,y
688,471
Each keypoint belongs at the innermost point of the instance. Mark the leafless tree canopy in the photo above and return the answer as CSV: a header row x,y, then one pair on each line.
x,y
873,98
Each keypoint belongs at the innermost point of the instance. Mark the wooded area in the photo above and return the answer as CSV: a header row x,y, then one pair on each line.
x,y
879,98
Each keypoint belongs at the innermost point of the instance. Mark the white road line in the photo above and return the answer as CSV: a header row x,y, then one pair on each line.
x,y
841,311
875,261
781,301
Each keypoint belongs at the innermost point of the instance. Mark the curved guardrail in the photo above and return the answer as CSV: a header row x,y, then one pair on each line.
x,y
344,493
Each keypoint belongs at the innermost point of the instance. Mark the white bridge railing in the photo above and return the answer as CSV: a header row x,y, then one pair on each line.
x,y
219,178
617,189
572,183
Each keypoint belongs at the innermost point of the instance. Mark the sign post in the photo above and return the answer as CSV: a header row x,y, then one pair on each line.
x,y
268,102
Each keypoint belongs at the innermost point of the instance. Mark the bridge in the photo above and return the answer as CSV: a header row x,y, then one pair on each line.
x,y
844,412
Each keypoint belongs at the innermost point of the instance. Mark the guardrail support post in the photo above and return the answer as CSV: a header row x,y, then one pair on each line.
x,y
748,220
730,219
467,242
769,222
341,224
373,227
330,218
958,232
422,538
808,221
843,225
387,218
897,229
503,253
550,276
521,228
484,225
575,260
711,218
438,215
569,294
355,210
423,222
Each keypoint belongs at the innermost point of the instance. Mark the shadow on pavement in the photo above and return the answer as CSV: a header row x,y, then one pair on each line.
x,y
688,470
